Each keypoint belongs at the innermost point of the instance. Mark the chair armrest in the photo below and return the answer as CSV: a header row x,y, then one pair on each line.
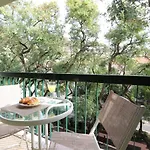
x,y
94,126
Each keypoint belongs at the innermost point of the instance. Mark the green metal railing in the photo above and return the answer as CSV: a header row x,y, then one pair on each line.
x,y
87,92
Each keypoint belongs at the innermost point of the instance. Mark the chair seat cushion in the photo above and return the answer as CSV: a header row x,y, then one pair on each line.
x,y
75,141
7,130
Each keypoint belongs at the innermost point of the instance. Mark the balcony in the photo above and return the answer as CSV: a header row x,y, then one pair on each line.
x,y
87,92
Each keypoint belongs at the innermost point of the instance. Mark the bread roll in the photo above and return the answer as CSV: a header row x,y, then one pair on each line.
x,y
29,101
33,101
24,100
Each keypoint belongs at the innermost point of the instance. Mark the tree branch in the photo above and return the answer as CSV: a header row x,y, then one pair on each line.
x,y
37,23
36,61
25,49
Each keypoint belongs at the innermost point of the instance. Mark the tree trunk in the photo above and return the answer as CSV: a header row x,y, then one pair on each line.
x,y
110,67
140,129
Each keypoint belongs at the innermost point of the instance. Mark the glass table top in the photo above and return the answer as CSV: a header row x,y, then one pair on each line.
x,y
49,110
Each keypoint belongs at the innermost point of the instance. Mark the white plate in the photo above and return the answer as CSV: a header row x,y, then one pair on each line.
x,y
25,105
44,100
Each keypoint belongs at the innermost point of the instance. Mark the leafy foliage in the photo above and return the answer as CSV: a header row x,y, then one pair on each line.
x,y
82,17
128,34
32,37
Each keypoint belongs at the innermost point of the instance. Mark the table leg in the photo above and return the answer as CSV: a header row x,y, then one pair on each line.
x,y
39,137
46,136
32,137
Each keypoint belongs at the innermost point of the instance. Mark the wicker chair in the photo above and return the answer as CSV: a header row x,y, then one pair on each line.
x,y
118,116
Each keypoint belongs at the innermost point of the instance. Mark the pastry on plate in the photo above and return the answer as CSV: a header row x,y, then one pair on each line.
x,y
33,101
24,100
30,101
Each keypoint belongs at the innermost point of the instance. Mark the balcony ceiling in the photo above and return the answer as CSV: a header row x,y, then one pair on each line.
x,y
4,2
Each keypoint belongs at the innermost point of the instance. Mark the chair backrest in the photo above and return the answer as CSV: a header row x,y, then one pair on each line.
x,y
120,118
10,94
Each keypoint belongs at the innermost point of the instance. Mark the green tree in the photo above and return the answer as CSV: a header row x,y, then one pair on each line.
x,y
127,36
83,43
31,37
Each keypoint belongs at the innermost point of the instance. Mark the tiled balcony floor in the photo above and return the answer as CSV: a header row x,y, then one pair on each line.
x,y
11,140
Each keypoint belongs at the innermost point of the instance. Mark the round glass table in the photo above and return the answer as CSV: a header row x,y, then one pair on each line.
x,y
43,114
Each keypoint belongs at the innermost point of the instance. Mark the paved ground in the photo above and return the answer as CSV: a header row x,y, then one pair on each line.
x,y
145,127
13,140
